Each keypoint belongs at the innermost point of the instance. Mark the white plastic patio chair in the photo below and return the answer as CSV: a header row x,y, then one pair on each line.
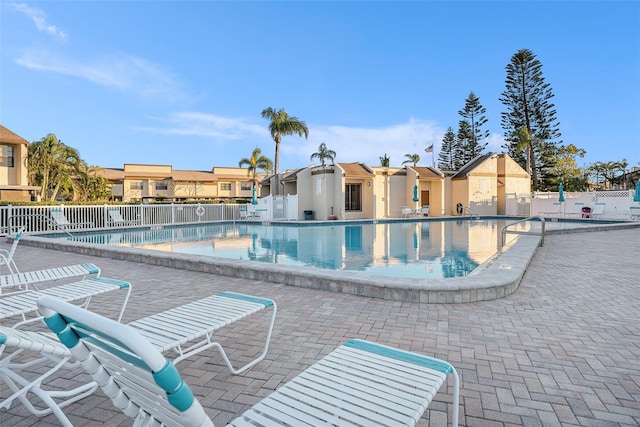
x,y
634,212
6,256
424,211
406,212
360,383
24,374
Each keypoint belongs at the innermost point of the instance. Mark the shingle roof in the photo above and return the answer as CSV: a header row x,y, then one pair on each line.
x,y
427,172
7,136
355,169
466,169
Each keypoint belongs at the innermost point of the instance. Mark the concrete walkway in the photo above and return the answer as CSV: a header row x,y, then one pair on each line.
x,y
563,350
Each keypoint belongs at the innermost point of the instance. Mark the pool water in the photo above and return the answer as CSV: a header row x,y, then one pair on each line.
x,y
420,249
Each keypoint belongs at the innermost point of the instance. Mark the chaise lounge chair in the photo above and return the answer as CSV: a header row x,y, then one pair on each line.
x,y
24,303
360,383
577,209
187,330
18,371
6,256
556,210
115,218
22,281
61,221
598,210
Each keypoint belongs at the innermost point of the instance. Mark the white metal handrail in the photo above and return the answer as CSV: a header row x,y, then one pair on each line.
x,y
531,218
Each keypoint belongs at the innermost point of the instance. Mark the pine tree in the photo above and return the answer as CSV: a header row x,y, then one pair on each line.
x,y
528,101
465,149
474,112
446,156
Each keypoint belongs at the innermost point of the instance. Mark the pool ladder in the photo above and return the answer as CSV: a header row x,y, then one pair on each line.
x,y
531,218
472,214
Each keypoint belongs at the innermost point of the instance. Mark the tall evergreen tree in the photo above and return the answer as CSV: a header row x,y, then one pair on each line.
x,y
528,101
474,112
466,149
446,156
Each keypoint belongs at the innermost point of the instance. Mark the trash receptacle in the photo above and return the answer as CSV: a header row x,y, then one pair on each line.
x,y
308,215
586,212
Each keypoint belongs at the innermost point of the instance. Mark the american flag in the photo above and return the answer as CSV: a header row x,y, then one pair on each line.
x,y
429,149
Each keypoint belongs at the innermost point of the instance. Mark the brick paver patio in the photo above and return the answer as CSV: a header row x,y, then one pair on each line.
x,y
563,350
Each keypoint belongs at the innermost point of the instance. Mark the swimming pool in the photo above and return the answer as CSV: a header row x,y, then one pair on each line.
x,y
418,250
497,277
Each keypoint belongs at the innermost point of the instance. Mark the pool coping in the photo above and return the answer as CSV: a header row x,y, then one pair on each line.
x,y
496,278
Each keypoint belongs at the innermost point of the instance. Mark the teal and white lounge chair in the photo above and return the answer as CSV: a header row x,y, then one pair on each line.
x,y
61,221
31,279
23,304
556,210
6,256
116,219
189,329
360,383
27,361
599,210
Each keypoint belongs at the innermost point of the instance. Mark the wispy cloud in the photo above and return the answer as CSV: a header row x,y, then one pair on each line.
x,y
122,72
39,19
220,128
352,144
369,144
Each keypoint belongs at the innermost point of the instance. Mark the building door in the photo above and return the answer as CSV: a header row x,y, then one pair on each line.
x,y
424,197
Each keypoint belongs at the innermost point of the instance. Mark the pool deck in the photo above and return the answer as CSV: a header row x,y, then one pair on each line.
x,y
563,349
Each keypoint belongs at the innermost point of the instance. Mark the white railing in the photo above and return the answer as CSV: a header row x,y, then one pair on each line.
x,y
39,218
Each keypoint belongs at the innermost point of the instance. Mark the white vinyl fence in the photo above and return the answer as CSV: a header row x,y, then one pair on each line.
x,y
39,218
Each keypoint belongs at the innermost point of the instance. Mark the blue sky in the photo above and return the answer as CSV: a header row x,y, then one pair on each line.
x,y
184,82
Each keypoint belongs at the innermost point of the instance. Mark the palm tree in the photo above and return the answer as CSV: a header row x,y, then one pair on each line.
x,y
412,158
281,124
255,162
51,164
323,154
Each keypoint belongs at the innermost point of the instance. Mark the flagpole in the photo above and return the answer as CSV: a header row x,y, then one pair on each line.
x,y
428,150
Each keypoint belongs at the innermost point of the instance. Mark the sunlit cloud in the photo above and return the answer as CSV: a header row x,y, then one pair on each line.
x,y
39,19
121,72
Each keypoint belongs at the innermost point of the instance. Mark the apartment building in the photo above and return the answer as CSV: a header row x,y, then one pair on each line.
x,y
14,181
145,182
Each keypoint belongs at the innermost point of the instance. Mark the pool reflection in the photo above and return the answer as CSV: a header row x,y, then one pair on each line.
x,y
437,249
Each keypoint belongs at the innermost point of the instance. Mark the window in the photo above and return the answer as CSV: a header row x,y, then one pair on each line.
x,y
352,198
225,186
6,155
136,185
245,186
161,185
